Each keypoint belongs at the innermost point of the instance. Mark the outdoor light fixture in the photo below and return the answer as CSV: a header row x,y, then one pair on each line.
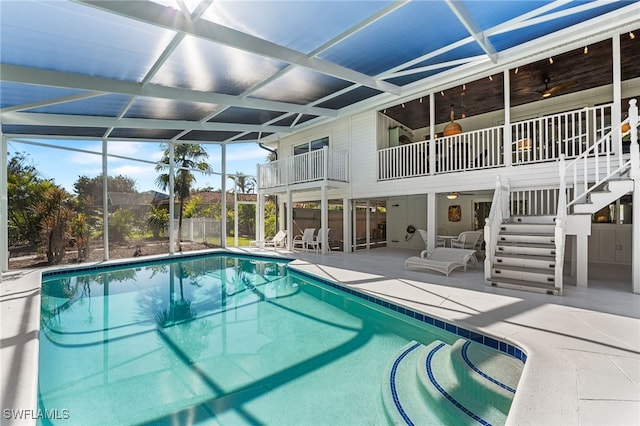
x,y
586,50
452,196
632,36
516,71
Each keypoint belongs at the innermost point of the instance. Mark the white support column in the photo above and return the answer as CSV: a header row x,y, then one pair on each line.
x,y
282,216
582,256
346,225
354,221
105,201
432,226
431,153
4,209
634,152
506,131
290,220
235,214
172,198
324,216
223,196
260,218
368,225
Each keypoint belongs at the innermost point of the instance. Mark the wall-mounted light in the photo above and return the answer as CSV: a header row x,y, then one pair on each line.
x,y
490,78
632,36
586,50
516,71
441,93
550,60
452,196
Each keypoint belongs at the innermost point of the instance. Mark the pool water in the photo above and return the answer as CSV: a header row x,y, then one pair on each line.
x,y
215,340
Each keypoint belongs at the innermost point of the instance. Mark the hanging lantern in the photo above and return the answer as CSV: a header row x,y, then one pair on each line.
x,y
452,128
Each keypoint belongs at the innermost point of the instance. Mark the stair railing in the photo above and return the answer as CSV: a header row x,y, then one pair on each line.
x,y
560,228
598,163
497,214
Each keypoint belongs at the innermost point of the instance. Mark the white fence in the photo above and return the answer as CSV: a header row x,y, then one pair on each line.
x,y
536,140
312,166
199,229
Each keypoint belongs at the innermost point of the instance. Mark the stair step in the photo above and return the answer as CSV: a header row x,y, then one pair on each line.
x,y
545,220
463,405
600,198
544,276
479,368
525,228
529,261
405,401
504,247
523,285
527,239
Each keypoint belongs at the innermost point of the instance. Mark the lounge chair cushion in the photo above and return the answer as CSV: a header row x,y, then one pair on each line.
x,y
442,259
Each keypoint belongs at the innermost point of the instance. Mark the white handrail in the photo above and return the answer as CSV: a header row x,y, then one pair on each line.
x,y
497,214
597,164
560,229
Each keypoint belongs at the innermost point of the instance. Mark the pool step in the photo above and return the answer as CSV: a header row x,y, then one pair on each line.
x,y
463,383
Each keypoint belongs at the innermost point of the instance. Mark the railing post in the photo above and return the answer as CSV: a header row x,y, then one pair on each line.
x,y
634,151
325,163
633,148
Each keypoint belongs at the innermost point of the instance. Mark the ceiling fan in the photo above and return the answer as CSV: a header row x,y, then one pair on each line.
x,y
550,91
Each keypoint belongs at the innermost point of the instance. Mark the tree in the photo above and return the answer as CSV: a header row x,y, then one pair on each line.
x,y
55,212
187,157
24,189
157,220
244,184
91,188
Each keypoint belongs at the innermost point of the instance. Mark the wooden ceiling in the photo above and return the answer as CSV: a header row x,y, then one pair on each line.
x,y
570,72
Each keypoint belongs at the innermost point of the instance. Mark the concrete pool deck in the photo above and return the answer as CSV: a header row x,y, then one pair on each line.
x,y
583,348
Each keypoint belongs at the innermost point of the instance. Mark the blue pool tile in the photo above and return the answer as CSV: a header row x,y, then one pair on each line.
x,y
438,323
478,338
463,332
451,328
492,343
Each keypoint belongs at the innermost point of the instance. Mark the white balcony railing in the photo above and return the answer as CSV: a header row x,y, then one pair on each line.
x,y
536,140
318,165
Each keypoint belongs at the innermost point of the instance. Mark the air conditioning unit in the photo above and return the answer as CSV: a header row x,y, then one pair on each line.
x,y
397,134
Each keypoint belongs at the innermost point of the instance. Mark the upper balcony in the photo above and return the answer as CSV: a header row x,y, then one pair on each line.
x,y
530,141
320,166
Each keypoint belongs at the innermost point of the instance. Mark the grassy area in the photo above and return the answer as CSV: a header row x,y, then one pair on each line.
x,y
242,241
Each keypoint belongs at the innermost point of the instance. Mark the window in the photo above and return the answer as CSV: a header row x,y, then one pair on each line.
x,y
311,146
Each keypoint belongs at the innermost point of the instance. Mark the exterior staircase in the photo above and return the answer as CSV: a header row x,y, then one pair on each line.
x,y
603,195
524,255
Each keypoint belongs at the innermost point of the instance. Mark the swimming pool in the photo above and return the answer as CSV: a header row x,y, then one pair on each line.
x,y
241,340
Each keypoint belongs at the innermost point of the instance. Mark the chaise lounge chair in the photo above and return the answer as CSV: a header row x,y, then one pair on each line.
x,y
277,241
442,259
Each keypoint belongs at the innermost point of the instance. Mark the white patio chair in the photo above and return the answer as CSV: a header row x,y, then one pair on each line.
x,y
424,235
305,240
466,240
317,241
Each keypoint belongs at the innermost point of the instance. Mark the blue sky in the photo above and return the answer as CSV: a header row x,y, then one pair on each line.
x,y
64,166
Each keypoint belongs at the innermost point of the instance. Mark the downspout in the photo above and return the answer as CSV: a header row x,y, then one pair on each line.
x,y
275,153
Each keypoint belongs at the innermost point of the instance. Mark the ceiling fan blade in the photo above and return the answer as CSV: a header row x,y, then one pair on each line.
x,y
558,88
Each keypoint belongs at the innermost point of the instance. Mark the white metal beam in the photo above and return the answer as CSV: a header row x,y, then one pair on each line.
x,y
33,119
19,74
463,15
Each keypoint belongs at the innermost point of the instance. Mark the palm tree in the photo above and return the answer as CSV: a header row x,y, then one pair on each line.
x,y
244,184
187,157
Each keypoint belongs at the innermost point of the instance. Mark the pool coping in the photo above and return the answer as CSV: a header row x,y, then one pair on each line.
x,y
545,369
